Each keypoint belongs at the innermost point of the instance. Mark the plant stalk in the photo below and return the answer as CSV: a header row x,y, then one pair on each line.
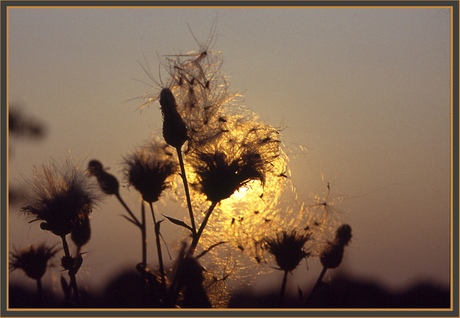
x,y
160,255
72,275
283,288
176,285
196,238
318,282
136,221
187,192
40,292
144,237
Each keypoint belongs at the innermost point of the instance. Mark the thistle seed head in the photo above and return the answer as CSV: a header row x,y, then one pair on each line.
x,y
220,175
288,248
149,168
62,197
226,163
32,260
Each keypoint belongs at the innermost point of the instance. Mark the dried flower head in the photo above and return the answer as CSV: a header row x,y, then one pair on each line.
x,y
107,182
149,168
245,153
33,260
62,197
288,248
332,254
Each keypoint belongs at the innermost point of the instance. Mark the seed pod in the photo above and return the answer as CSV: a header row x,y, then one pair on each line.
x,y
332,255
174,129
95,167
168,102
81,232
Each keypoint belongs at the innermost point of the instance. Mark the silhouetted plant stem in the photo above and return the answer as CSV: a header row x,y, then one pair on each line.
x,y
143,229
72,274
187,192
176,284
141,225
160,255
144,237
283,288
134,219
40,292
196,237
318,282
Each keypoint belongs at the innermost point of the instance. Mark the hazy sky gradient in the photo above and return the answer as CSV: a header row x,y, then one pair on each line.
x,y
365,91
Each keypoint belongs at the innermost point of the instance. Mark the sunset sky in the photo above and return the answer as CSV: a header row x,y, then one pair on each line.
x,y
362,96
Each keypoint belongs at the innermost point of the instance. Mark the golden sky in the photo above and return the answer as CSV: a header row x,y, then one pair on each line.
x,y
362,96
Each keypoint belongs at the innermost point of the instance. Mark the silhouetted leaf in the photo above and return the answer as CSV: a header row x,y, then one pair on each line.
x,y
178,222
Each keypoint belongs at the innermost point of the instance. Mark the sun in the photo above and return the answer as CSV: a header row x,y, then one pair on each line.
x,y
248,193
241,193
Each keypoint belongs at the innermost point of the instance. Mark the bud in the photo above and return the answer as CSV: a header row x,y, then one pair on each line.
x,y
332,255
343,234
81,232
107,182
174,129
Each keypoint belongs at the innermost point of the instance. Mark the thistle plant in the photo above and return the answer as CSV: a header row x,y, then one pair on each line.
x,y
332,254
63,198
34,262
149,170
245,154
110,186
289,249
